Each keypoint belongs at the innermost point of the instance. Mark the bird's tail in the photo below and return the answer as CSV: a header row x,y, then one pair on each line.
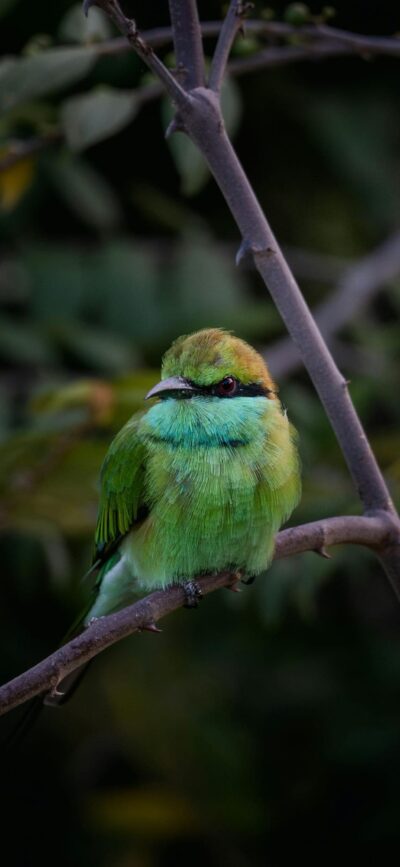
x,y
67,687
24,724
57,697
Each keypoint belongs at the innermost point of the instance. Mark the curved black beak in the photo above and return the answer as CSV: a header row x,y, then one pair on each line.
x,y
176,386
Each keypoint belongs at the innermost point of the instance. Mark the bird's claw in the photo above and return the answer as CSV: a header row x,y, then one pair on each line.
x,y
250,580
94,620
193,594
234,582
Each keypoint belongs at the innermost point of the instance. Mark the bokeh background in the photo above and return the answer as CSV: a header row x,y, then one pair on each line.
x,y
262,720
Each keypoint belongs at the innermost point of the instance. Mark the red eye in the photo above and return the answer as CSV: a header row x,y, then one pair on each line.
x,y
227,387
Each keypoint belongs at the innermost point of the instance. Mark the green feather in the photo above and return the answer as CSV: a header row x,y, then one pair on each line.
x,y
122,477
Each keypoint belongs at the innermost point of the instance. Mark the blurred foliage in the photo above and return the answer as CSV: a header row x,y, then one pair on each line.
x,y
277,710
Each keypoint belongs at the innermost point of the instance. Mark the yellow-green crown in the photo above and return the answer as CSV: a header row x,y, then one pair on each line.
x,y
208,356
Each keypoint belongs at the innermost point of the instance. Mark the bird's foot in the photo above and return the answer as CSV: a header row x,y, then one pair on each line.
x,y
94,620
193,594
234,582
250,580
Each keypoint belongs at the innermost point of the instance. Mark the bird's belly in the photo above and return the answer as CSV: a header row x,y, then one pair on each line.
x,y
208,512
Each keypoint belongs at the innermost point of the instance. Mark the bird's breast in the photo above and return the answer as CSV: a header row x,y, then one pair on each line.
x,y
208,489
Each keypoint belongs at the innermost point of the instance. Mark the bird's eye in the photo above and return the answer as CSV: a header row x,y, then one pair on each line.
x,y
227,386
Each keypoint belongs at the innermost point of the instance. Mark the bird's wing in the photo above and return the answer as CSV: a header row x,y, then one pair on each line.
x,y
122,483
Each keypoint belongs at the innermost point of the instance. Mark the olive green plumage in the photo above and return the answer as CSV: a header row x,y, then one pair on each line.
x,y
201,480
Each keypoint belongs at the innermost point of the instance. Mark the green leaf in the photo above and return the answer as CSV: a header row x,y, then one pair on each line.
x,y
22,344
231,105
27,78
57,277
95,348
190,163
125,277
77,27
86,192
92,117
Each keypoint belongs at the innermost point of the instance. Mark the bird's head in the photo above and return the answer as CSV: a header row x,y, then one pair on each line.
x,y
213,363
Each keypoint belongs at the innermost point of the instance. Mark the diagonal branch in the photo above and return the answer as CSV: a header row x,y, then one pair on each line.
x,y
187,42
374,532
231,26
203,122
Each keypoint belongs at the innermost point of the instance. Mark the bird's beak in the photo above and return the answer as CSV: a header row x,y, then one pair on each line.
x,y
174,385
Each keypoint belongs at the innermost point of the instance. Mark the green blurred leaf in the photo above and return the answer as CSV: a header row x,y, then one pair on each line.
x,y
361,141
92,117
77,27
22,344
27,78
190,163
86,192
56,278
95,348
126,278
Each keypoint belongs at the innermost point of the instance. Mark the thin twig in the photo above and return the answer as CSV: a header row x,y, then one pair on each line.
x,y
374,532
283,55
358,285
361,43
231,26
355,43
188,43
128,28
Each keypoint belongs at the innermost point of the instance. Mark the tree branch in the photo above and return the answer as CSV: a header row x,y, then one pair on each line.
x,y
356,287
204,127
374,532
349,43
282,55
188,43
231,26
203,122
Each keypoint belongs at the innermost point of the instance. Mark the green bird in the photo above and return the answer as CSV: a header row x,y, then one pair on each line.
x,y
198,482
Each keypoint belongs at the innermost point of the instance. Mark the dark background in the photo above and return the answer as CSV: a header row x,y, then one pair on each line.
x,y
260,722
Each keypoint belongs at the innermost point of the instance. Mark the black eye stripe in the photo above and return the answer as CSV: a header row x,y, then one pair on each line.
x,y
253,389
